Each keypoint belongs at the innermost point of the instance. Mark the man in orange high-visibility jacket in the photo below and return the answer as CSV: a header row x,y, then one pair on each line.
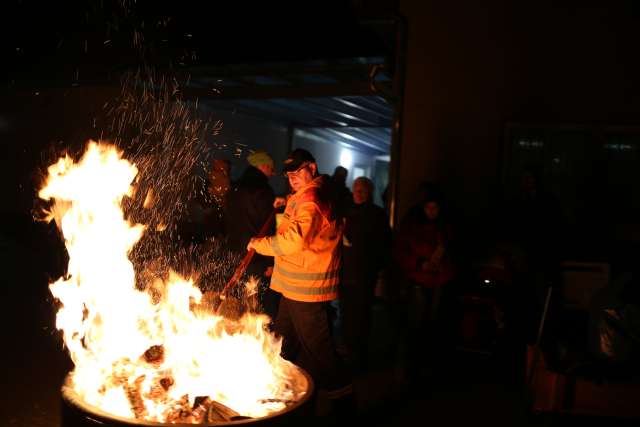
x,y
307,252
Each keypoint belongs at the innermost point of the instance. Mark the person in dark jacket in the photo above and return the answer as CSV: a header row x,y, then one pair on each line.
x,y
249,205
341,193
366,243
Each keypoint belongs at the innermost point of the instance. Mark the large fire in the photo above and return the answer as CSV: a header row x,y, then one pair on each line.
x,y
141,355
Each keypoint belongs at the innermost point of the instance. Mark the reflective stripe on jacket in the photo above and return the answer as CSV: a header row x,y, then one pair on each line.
x,y
306,247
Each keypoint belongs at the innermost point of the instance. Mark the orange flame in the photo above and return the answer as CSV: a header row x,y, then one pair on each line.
x,y
108,324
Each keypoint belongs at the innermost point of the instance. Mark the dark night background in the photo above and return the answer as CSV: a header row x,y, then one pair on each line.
x,y
475,81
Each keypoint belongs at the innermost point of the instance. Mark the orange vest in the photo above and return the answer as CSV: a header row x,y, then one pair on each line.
x,y
306,246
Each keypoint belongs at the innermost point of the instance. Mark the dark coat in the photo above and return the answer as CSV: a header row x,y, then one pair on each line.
x,y
249,205
342,198
367,241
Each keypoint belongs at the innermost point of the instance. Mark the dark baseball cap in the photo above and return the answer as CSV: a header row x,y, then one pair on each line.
x,y
296,158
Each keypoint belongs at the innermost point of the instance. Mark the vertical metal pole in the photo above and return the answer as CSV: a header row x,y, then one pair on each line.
x,y
396,130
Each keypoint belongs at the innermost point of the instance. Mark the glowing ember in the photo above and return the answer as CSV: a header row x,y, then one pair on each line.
x,y
138,355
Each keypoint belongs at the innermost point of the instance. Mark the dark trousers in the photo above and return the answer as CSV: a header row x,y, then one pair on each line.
x,y
356,297
304,327
425,330
270,300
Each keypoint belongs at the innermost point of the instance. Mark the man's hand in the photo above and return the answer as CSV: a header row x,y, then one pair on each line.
x,y
430,266
279,202
437,255
251,243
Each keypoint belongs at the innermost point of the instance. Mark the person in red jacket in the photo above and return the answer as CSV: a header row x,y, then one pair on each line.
x,y
422,254
422,246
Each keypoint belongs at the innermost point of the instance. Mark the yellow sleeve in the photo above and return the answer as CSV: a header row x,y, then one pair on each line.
x,y
301,228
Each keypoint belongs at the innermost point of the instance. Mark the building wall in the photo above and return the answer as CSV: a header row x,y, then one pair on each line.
x,y
471,70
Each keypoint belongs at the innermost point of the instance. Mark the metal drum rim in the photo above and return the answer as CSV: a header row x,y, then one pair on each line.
x,y
70,396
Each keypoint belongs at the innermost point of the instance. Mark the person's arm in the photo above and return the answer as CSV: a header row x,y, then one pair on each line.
x,y
264,210
443,248
301,227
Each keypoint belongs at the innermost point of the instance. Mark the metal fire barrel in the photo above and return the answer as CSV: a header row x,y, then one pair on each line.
x,y
78,413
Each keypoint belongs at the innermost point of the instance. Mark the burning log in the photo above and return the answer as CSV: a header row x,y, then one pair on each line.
x,y
201,408
159,389
209,411
134,395
181,412
219,412
154,355
166,383
205,410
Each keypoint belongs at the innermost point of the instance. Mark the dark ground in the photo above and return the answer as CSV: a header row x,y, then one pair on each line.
x,y
468,389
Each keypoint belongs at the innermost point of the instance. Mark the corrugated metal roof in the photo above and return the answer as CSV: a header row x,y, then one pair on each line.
x,y
359,122
340,101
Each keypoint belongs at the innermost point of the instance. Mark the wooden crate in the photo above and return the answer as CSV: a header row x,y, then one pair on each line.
x,y
580,280
561,393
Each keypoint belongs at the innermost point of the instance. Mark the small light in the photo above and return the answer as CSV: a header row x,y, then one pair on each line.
x,y
487,281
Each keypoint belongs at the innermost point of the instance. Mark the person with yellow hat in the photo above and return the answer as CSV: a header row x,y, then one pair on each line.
x,y
262,161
